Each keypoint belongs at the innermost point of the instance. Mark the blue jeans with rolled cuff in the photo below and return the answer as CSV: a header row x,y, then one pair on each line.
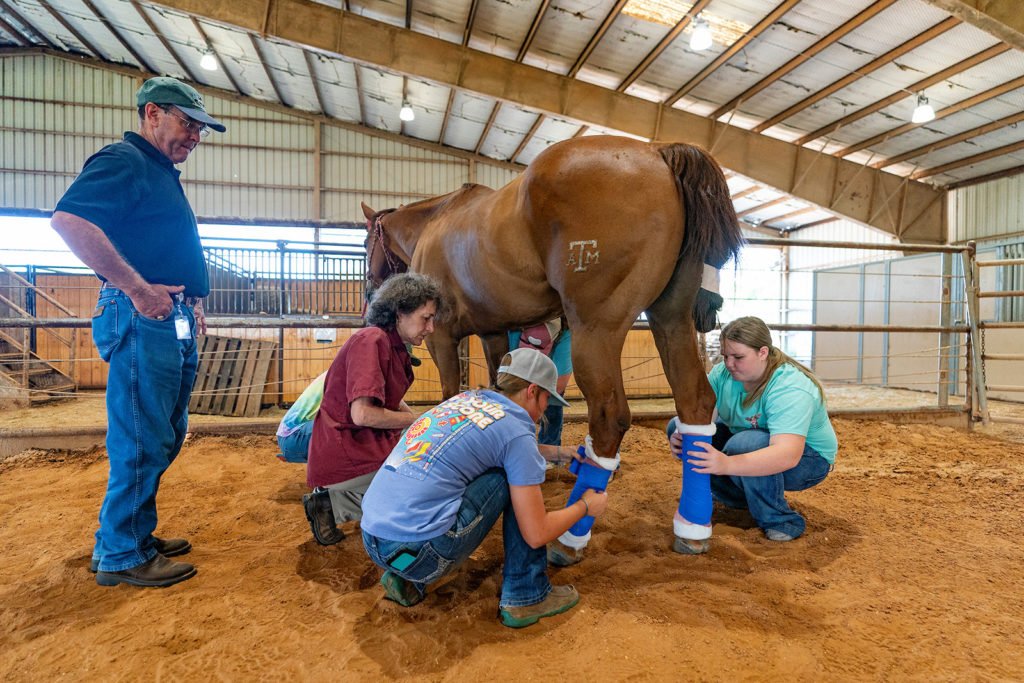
x,y
148,389
765,496
525,579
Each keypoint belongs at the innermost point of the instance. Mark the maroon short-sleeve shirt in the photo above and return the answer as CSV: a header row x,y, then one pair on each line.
x,y
373,363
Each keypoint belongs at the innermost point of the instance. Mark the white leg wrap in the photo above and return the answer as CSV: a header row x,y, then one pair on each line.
x,y
574,542
606,463
691,532
697,430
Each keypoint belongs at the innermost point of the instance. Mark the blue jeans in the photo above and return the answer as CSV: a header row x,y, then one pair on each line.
x,y
148,388
765,496
524,574
295,446
551,425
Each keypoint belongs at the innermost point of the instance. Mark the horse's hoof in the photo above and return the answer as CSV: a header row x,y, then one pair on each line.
x,y
685,546
561,555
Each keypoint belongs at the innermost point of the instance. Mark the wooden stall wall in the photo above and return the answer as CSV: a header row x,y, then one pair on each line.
x,y
78,294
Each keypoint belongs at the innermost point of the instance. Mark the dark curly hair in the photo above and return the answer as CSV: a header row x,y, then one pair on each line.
x,y
402,293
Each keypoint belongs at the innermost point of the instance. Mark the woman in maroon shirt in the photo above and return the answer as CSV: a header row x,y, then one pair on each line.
x,y
363,412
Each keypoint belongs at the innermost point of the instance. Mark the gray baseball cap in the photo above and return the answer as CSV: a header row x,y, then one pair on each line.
x,y
535,368
167,90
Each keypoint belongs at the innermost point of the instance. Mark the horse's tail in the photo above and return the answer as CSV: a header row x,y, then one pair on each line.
x,y
712,231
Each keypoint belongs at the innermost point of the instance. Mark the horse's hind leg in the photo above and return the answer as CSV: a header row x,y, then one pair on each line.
x,y
675,336
444,350
495,348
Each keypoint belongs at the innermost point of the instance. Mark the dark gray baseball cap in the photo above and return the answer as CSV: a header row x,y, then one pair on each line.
x,y
167,90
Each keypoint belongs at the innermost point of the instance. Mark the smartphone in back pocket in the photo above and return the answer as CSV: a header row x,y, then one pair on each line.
x,y
403,560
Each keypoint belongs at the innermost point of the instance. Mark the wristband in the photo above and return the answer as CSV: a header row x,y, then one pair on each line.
x,y
586,512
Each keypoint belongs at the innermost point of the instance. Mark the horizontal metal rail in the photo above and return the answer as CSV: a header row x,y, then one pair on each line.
x,y
785,242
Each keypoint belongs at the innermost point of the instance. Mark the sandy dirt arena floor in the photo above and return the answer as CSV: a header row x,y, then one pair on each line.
x,y
911,570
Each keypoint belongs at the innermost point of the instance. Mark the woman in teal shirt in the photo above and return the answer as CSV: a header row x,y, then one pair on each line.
x,y
773,432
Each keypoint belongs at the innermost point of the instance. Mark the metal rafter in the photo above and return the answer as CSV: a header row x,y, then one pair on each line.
x,y
946,142
139,59
487,127
763,206
909,91
873,65
266,69
316,82
447,116
526,138
960,163
20,39
596,38
948,111
742,42
36,33
871,11
823,221
209,45
163,41
532,33
662,45
79,36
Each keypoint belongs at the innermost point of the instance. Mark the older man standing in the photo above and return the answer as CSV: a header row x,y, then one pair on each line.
x,y
127,218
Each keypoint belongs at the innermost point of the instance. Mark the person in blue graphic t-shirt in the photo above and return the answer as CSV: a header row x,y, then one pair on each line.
x,y
453,472
773,432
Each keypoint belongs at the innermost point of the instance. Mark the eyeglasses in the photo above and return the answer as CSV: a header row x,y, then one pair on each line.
x,y
190,125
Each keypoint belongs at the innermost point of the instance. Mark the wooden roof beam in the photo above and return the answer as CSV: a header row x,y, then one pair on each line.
x,y
728,53
909,91
532,32
763,206
316,82
868,13
36,33
1000,18
873,65
526,138
447,116
14,33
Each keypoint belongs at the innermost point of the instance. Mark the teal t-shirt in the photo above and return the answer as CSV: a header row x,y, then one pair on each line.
x,y
789,404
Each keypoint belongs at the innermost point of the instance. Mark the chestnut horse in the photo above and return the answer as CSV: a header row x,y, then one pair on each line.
x,y
597,229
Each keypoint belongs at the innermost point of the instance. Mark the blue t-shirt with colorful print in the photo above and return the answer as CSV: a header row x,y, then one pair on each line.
x,y
789,404
417,493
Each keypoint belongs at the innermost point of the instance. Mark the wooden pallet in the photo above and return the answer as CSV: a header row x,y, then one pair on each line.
x,y
231,377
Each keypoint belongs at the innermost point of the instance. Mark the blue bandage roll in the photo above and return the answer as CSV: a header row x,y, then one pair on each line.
x,y
695,501
587,477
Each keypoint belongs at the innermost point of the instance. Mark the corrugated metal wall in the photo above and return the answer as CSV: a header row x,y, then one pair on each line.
x,y
987,210
55,113
813,258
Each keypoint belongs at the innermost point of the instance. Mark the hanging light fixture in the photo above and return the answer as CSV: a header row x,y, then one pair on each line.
x,y
209,60
700,38
923,112
406,113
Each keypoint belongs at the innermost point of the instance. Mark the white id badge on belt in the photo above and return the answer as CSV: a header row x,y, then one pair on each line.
x,y
181,326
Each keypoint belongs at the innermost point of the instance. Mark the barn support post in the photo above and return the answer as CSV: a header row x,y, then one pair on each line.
x,y
946,366
970,266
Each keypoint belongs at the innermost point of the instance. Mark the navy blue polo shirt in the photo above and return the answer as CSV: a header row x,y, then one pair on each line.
x,y
131,191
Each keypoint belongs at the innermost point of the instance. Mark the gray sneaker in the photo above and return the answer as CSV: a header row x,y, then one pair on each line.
x,y
560,599
776,535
